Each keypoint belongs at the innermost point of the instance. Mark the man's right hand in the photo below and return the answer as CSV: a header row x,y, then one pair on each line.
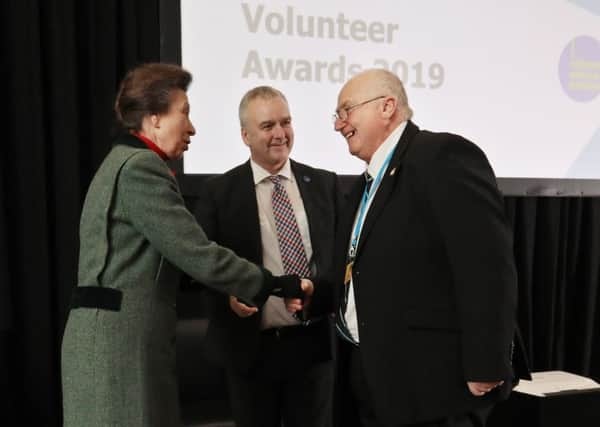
x,y
241,309
296,304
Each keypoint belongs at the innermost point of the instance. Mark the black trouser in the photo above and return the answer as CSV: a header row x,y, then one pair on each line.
x,y
286,387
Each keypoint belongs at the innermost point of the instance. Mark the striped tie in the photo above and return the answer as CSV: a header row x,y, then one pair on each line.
x,y
291,247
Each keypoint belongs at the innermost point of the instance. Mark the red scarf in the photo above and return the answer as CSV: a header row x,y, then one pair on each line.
x,y
151,145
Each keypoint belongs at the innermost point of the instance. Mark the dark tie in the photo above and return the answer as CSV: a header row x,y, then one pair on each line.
x,y
368,181
293,255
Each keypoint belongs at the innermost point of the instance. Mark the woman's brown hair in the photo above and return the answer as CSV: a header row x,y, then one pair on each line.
x,y
146,90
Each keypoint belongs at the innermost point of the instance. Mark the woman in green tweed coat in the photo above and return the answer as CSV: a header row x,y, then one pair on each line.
x,y
136,236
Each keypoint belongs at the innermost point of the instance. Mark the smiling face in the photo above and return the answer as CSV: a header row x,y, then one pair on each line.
x,y
375,103
364,129
267,131
171,131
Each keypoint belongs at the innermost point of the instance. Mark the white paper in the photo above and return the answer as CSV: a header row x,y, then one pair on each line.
x,y
547,382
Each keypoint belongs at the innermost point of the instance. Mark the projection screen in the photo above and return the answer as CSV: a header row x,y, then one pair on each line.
x,y
520,78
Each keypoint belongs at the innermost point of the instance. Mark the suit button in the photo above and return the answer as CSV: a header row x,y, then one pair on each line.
x,y
357,273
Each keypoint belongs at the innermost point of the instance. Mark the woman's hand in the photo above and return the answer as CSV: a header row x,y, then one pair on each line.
x,y
241,309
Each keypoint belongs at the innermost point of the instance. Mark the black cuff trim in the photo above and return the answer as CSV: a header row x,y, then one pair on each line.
x,y
96,297
287,286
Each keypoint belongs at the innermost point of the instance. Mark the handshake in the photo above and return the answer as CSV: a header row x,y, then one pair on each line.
x,y
296,301
294,305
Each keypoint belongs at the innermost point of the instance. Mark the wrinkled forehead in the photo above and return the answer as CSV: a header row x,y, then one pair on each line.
x,y
262,110
353,91
267,102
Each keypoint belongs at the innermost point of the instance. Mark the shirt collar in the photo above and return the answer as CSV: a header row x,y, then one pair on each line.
x,y
384,149
260,173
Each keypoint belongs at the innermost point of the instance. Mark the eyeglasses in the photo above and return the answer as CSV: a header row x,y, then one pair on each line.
x,y
343,113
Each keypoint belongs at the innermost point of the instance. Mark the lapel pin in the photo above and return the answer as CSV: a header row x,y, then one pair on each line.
x,y
306,178
392,172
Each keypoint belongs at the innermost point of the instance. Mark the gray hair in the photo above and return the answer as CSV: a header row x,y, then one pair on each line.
x,y
262,92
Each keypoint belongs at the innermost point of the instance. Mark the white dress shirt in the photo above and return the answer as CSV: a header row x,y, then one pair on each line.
x,y
274,311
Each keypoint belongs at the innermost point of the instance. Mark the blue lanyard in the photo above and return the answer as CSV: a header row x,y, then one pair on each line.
x,y
366,197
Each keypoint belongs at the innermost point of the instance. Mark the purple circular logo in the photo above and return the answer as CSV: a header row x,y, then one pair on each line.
x,y
579,68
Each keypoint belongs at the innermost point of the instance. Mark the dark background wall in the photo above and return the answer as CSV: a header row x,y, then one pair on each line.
x,y
62,64
62,61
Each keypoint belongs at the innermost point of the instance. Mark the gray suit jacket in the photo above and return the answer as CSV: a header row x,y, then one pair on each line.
x,y
118,367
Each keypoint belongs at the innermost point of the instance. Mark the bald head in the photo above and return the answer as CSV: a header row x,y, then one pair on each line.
x,y
380,81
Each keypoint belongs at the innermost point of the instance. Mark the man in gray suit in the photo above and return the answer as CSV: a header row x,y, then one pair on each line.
x,y
279,368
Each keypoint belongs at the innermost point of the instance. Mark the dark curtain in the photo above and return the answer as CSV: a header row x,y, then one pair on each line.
x,y
63,61
557,250
6,314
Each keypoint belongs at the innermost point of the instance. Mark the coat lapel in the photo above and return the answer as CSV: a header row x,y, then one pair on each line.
x,y
387,183
249,222
305,180
349,211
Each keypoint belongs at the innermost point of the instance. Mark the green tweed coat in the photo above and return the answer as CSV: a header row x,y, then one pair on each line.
x,y
118,367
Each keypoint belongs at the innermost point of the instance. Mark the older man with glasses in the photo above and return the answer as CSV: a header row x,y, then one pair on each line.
x,y
426,283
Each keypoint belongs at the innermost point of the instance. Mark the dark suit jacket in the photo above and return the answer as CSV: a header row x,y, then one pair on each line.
x,y
434,280
228,213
